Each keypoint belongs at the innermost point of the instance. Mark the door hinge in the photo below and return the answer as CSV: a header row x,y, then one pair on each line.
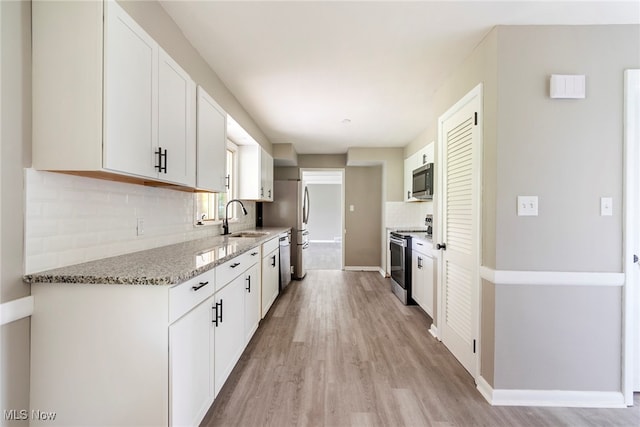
x,y
475,119
474,346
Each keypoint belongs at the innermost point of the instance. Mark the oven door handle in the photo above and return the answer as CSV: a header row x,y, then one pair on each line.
x,y
400,242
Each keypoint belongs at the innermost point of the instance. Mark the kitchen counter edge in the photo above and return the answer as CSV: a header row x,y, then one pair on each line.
x,y
165,265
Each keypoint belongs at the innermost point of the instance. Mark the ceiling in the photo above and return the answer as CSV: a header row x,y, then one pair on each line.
x,y
329,75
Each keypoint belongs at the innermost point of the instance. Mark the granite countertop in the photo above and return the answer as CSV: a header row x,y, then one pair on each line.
x,y
166,265
422,236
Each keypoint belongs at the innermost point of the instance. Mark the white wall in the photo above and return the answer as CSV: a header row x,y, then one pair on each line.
x,y
325,217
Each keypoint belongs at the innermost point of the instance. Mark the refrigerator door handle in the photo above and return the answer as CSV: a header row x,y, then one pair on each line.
x,y
306,206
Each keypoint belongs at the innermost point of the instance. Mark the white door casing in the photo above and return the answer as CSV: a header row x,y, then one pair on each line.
x,y
631,339
460,153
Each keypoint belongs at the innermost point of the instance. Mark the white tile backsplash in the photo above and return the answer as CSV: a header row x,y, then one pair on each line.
x,y
406,214
71,219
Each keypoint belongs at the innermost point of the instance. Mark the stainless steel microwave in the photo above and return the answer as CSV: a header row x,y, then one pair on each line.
x,y
423,182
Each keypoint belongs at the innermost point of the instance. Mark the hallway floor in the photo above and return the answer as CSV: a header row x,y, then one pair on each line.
x,y
323,256
338,349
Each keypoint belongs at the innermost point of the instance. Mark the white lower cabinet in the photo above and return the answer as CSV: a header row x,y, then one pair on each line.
x,y
253,288
191,352
229,329
422,275
237,312
106,355
270,274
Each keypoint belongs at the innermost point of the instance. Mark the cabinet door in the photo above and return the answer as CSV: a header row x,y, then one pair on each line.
x,y
417,277
130,95
250,174
408,179
212,144
427,274
229,332
176,122
191,365
270,280
252,301
266,171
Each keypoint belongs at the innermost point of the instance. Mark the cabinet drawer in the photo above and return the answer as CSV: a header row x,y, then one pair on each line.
x,y
271,245
231,269
187,295
420,245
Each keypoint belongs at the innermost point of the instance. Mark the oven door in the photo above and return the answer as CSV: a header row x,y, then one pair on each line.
x,y
397,248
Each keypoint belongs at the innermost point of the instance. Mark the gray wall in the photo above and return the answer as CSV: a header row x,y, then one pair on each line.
x,y
569,153
326,217
363,225
16,154
363,189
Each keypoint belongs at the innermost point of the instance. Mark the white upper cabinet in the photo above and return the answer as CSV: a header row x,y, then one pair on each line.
x,y
212,144
130,95
176,122
106,98
421,157
256,173
266,177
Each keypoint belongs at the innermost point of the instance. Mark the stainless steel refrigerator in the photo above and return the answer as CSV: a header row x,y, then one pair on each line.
x,y
290,208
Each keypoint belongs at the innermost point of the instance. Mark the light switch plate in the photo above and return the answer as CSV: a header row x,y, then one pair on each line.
x,y
139,226
527,205
606,206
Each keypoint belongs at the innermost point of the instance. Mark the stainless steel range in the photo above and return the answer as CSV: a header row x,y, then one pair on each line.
x,y
400,255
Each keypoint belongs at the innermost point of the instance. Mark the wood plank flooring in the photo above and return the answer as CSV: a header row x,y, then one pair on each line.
x,y
338,349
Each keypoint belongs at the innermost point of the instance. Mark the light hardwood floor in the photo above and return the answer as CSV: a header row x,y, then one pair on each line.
x,y
338,349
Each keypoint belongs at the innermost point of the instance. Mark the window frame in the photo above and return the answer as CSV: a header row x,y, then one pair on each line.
x,y
213,199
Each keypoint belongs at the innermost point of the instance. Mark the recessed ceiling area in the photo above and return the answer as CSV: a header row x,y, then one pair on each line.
x,y
329,75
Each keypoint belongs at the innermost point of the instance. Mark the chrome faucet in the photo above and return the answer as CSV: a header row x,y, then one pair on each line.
x,y
225,222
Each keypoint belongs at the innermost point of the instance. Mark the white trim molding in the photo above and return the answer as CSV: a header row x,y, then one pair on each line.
x,y
16,310
552,398
566,278
433,330
363,268
555,398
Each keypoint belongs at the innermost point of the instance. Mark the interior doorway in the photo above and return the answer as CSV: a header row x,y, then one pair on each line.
x,y
326,218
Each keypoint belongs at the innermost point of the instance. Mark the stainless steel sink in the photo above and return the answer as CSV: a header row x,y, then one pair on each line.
x,y
249,234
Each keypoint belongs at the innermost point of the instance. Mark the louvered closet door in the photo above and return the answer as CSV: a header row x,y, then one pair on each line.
x,y
459,203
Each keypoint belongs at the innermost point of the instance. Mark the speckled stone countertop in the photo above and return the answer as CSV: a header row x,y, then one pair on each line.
x,y
166,265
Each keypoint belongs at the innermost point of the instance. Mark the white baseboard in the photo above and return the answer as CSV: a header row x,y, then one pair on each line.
x,y
361,268
552,398
433,330
16,310
485,389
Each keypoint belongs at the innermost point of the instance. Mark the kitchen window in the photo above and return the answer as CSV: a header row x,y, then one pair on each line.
x,y
210,207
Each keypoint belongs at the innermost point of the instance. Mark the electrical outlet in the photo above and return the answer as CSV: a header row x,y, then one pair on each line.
x,y
140,226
